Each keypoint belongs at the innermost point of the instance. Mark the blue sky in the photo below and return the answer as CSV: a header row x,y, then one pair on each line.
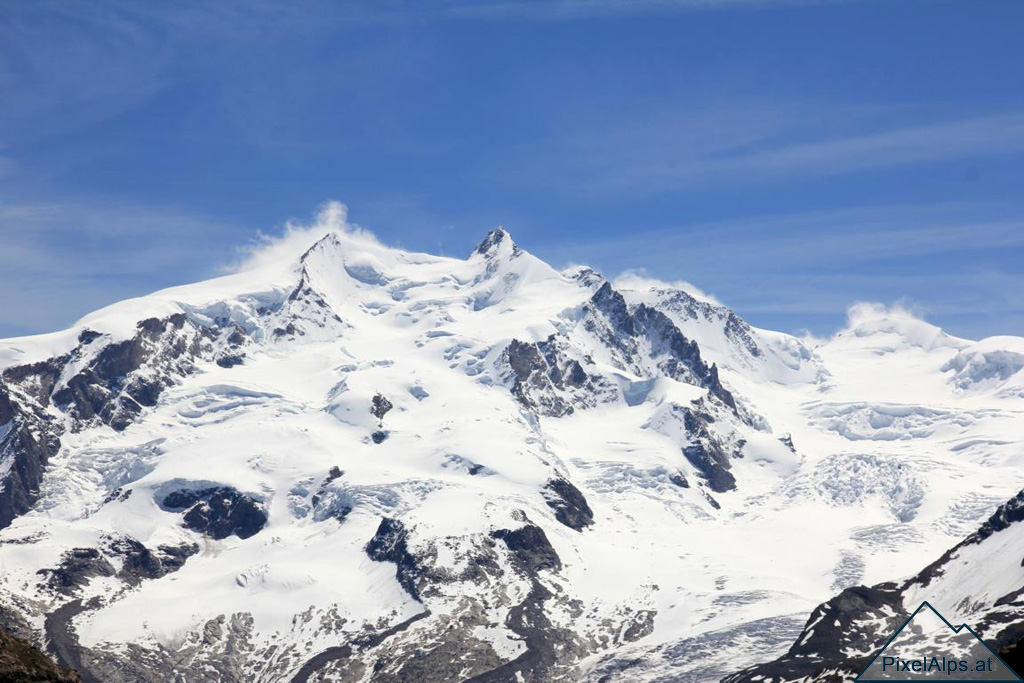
x,y
788,157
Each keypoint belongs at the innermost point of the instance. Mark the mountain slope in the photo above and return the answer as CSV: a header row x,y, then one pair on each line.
x,y
979,582
359,463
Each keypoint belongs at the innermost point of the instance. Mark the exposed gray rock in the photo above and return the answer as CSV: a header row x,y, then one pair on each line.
x,y
859,619
493,240
77,567
389,544
705,452
548,382
569,504
139,563
379,407
530,547
109,390
218,512
111,385
676,356
32,438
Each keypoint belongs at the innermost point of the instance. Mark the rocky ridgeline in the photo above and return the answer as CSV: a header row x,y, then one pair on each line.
x,y
99,382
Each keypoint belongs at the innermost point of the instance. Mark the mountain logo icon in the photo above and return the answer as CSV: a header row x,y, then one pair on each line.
x,y
929,648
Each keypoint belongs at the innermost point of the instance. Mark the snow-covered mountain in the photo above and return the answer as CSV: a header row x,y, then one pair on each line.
x,y
355,463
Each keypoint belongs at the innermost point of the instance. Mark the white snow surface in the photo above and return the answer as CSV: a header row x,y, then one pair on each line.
x,y
904,437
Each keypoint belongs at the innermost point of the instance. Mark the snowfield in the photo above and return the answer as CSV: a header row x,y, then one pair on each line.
x,y
572,479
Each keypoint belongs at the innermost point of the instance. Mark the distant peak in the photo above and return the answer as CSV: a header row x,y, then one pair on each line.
x,y
496,240
869,320
586,276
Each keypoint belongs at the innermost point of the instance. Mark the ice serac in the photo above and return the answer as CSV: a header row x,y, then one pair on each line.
x,y
360,463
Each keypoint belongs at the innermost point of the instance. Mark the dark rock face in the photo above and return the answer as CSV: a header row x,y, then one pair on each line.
x,y
31,439
710,465
530,548
107,389
569,504
546,381
859,619
534,383
676,356
218,512
332,502
549,381
139,563
334,473
390,544
494,239
705,452
77,567
231,360
736,329
87,336
1010,512
379,407
787,441
20,662
305,311
679,480
379,436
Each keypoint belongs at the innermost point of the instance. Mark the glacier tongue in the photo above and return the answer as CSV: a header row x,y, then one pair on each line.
x,y
361,463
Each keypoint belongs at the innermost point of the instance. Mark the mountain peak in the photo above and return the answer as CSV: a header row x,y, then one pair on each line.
x,y
876,325
330,239
495,241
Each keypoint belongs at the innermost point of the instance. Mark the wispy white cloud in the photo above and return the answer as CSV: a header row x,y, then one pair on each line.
x,y
869,312
60,260
639,279
779,242
297,237
761,143
984,136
